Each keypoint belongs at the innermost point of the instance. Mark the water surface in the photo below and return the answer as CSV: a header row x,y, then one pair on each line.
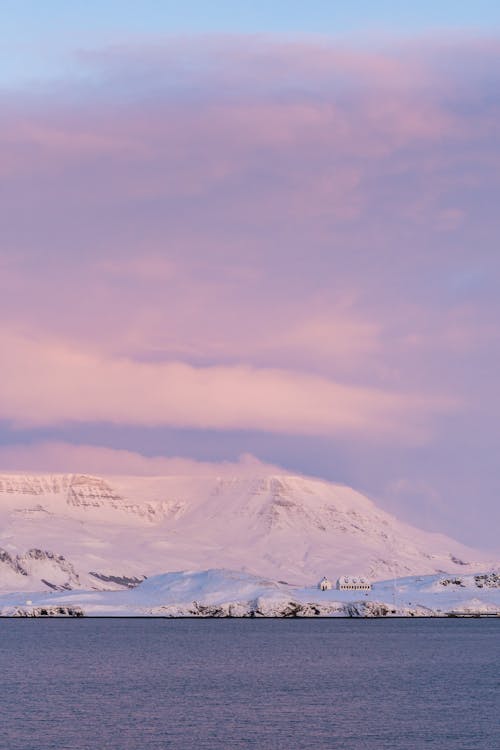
x,y
347,684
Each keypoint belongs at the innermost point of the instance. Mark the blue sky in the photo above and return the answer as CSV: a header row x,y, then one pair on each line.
x,y
39,38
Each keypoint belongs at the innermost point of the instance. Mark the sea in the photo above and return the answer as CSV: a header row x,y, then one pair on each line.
x,y
150,684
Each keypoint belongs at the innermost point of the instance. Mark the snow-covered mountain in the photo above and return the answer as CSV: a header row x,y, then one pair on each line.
x,y
79,531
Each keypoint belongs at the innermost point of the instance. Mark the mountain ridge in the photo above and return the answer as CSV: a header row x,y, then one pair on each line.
x,y
283,526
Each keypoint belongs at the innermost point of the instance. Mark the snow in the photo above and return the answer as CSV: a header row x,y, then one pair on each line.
x,y
271,534
219,592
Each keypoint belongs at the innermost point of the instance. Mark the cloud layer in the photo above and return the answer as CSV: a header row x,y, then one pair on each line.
x,y
251,233
67,385
91,459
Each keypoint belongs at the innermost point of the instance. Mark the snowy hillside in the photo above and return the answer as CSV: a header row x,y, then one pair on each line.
x,y
78,531
225,593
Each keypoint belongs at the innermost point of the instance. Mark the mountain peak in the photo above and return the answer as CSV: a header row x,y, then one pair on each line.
x,y
279,525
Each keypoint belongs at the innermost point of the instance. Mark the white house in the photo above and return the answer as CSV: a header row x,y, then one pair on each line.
x,y
325,584
353,583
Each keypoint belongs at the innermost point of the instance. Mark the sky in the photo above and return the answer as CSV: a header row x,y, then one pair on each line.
x,y
265,230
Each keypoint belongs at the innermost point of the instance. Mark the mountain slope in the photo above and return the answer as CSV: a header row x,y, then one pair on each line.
x,y
283,527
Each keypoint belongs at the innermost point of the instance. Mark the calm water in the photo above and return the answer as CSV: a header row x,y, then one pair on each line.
x,y
346,684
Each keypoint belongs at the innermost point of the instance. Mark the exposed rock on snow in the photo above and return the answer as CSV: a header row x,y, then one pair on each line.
x,y
129,582
44,612
35,567
489,580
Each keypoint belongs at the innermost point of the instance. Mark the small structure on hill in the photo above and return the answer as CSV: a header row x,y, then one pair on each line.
x,y
324,584
353,583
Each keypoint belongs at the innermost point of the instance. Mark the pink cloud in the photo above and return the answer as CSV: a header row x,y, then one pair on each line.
x,y
204,210
90,459
46,382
